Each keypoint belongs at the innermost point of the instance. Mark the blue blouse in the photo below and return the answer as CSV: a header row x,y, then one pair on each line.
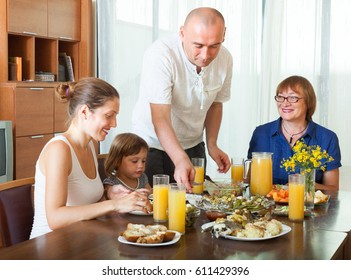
x,y
269,138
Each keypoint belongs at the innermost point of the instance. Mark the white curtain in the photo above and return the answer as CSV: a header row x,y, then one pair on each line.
x,y
269,40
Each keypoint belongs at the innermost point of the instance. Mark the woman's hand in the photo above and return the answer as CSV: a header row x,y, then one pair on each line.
x,y
116,191
134,201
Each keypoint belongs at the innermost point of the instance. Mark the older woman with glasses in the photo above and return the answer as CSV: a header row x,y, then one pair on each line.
x,y
296,103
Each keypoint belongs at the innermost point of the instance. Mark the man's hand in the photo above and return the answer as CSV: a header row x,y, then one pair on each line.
x,y
221,158
184,172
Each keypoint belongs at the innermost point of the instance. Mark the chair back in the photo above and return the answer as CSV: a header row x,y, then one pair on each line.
x,y
101,166
16,211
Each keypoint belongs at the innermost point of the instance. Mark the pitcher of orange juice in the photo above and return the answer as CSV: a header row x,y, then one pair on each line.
x,y
260,173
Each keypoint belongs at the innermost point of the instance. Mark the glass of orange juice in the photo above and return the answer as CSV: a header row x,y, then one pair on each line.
x,y
296,197
199,165
237,169
160,197
176,207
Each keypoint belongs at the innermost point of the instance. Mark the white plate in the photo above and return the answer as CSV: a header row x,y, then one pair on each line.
x,y
140,213
323,203
286,229
174,240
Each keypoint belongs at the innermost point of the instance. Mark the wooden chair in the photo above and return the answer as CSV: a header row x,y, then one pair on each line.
x,y
101,165
16,211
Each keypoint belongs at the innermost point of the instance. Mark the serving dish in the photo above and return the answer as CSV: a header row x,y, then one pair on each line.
x,y
228,204
284,211
223,187
286,229
174,240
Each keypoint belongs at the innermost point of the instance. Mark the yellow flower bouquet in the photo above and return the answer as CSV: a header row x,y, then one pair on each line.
x,y
308,159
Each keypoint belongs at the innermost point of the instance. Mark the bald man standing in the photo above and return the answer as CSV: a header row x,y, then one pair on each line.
x,y
184,81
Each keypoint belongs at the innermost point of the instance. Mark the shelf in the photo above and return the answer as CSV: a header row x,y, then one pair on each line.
x,y
23,46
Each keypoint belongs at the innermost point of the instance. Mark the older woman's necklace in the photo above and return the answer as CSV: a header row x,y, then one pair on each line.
x,y
293,135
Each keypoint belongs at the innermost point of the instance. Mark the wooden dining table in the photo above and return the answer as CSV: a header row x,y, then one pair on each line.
x,y
323,236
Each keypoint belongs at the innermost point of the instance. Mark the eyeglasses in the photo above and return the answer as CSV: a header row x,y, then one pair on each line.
x,y
290,99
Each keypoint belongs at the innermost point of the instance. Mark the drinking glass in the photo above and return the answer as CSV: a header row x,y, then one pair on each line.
x,y
160,197
199,165
237,169
176,207
296,197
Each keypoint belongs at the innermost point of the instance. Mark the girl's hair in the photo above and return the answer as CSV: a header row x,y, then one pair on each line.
x,y
91,91
304,87
124,144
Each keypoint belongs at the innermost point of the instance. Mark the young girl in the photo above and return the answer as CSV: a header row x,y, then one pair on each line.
x,y
125,165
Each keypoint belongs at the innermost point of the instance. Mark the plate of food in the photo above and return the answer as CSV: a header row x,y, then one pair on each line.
x,y
148,235
174,240
279,193
140,213
230,203
320,198
254,231
285,229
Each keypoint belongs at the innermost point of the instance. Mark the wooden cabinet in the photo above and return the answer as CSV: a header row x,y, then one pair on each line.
x,y
37,116
49,18
66,27
38,31
60,116
27,17
64,19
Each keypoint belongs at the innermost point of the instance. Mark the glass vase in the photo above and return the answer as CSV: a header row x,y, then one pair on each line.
x,y
310,177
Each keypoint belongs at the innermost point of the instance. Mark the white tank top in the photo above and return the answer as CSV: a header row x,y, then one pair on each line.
x,y
81,189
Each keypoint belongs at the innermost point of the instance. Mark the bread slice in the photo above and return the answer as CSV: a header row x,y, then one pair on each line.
x,y
156,228
135,226
141,228
169,235
132,235
152,239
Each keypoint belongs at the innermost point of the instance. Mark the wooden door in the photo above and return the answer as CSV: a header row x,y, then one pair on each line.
x,y
34,111
27,151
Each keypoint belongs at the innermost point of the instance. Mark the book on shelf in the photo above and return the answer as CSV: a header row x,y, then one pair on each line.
x,y
65,68
70,69
41,76
15,68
